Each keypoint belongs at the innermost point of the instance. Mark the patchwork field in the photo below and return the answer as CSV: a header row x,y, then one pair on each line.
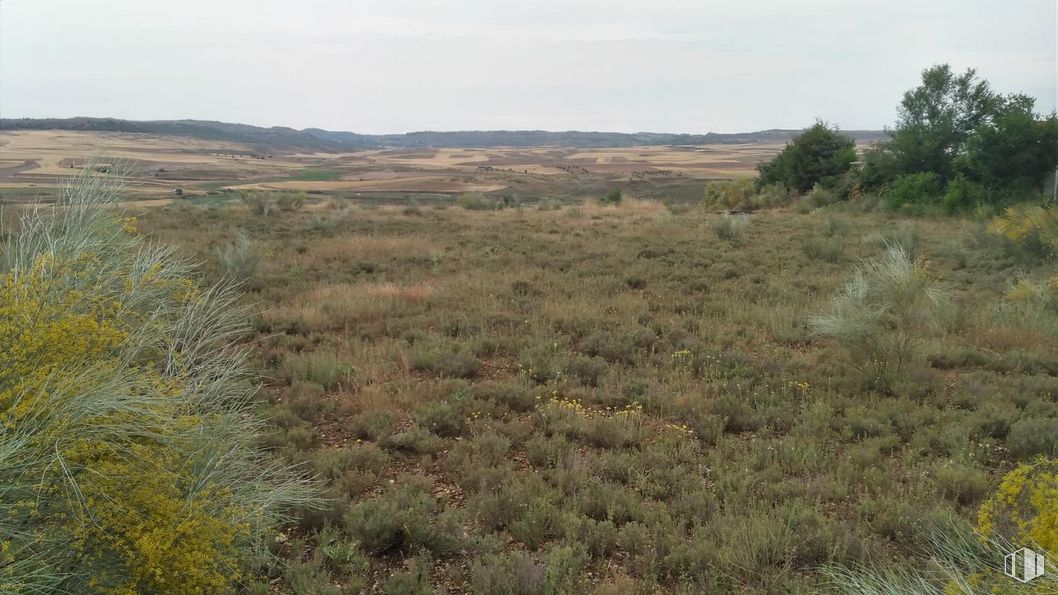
x,y
34,164
619,399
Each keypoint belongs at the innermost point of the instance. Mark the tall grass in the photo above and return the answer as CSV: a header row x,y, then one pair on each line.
x,y
953,560
730,227
128,457
881,313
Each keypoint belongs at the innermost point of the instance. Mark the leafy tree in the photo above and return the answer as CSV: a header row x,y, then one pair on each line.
x,y
957,144
818,155
1015,148
936,119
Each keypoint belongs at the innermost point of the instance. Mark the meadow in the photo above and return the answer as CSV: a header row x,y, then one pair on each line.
x,y
622,399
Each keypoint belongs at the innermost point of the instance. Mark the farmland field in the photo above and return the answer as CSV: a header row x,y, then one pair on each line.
x,y
616,399
34,164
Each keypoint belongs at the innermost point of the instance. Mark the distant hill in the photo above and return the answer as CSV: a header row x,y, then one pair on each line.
x,y
276,136
328,140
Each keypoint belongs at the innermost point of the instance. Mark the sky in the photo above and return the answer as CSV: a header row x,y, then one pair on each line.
x,y
404,65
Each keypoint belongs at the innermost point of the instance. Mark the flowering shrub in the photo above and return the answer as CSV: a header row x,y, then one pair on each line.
x,y
127,458
1025,507
1030,227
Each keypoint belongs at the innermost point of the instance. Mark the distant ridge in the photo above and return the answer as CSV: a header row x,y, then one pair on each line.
x,y
327,140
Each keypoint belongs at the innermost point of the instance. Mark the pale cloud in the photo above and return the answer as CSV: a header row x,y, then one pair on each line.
x,y
397,65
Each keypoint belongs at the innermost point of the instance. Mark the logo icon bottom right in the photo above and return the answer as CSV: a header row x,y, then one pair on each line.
x,y
1023,565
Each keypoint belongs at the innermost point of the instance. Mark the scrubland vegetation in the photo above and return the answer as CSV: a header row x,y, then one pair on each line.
x,y
826,387
635,398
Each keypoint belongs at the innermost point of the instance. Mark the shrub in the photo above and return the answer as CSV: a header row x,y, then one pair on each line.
x,y
963,194
880,314
914,190
730,227
1033,436
588,370
963,485
239,260
321,367
475,201
260,202
400,521
441,418
515,396
772,195
822,248
373,424
129,462
820,197
515,573
613,197
1031,228
729,194
290,201
1025,507
445,363
416,440
413,581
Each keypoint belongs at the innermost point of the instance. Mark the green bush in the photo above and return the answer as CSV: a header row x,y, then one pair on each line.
x,y
914,190
613,197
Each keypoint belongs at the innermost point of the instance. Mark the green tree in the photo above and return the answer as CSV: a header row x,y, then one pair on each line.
x,y
937,118
1017,147
818,155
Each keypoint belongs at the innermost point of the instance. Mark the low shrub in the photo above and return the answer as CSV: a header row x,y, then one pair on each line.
x,y
823,248
442,418
613,197
320,367
475,201
880,315
445,363
962,485
1032,229
401,521
1033,436
729,194
730,227
240,259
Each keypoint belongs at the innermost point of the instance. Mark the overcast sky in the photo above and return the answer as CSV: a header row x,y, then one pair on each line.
x,y
403,65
